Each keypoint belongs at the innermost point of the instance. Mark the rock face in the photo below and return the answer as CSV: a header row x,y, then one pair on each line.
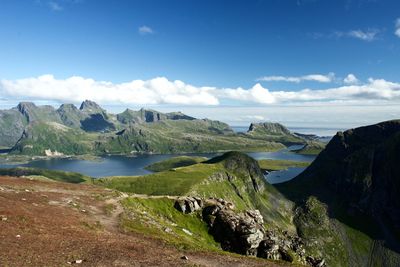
x,y
237,232
244,232
189,204
361,168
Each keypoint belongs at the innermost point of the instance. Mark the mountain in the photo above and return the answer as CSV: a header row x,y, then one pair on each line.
x,y
12,124
13,121
147,115
357,178
178,136
53,139
70,115
38,113
275,132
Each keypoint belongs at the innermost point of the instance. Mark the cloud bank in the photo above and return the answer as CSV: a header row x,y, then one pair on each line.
x,y
160,90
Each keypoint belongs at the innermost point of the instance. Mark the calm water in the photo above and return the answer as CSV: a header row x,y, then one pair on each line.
x,y
128,166
284,175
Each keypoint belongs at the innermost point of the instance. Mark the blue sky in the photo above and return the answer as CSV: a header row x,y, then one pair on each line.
x,y
228,46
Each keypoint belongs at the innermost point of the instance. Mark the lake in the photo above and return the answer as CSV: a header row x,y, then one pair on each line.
x,y
134,165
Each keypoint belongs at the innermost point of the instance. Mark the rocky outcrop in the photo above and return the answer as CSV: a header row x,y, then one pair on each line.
x,y
238,232
244,232
189,204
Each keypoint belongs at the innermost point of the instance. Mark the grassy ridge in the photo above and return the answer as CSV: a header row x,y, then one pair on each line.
x,y
62,176
175,162
311,148
172,182
159,218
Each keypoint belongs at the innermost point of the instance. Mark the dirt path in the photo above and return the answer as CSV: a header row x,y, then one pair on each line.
x,y
57,224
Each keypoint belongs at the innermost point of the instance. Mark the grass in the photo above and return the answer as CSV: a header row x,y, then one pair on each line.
x,y
277,165
160,219
172,182
175,162
311,148
62,176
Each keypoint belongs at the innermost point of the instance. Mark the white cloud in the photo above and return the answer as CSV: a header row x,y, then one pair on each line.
x,y
297,79
145,30
55,6
75,89
350,79
257,94
369,35
160,90
397,27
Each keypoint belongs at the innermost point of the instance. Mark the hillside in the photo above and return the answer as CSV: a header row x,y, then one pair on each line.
x,y
357,178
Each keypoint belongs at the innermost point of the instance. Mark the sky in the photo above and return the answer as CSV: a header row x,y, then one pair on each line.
x,y
304,63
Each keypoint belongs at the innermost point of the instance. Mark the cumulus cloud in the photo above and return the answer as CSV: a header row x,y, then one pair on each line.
x,y
350,79
297,79
145,30
75,89
397,27
160,90
257,94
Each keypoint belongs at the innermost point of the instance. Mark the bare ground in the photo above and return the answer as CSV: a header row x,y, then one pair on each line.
x,y
45,223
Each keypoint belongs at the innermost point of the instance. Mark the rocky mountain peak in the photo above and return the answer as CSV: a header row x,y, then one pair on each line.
x,y
68,107
270,127
23,107
90,106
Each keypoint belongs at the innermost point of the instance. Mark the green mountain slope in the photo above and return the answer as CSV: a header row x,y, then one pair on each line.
x,y
47,138
356,178
176,136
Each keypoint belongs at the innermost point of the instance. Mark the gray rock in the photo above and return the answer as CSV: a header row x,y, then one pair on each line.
x,y
188,204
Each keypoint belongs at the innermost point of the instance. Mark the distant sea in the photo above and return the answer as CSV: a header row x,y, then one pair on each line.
x,y
304,130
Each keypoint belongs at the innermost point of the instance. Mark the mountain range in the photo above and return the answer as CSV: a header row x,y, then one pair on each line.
x,y
90,129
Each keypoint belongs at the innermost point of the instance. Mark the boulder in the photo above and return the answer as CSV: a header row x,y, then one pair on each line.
x,y
237,232
188,204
